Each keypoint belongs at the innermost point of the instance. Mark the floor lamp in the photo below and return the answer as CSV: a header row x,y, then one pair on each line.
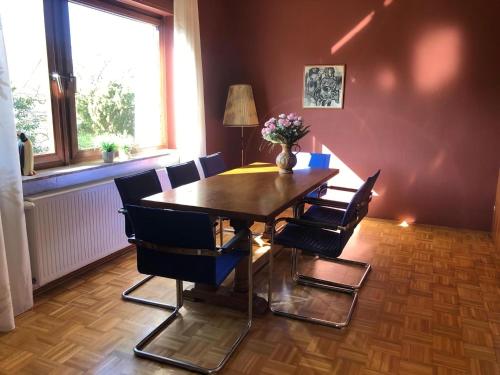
x,y
240,111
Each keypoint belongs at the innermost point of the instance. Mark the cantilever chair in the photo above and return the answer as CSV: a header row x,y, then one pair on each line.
x,y
213,164
333,211
181,246
132,189
319,161
182,174
326,239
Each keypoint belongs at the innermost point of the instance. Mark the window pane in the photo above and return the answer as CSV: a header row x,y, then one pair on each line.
x,y
116,61
24,34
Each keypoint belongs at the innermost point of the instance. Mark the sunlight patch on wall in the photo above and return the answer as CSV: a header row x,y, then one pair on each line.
x,y
346,177
356,29
436,58
386,79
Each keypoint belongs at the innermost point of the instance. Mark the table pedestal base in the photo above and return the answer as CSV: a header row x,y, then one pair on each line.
x,y
225,297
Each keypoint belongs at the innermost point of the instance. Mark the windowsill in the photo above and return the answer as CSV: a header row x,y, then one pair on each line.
x,y
89,165
94,171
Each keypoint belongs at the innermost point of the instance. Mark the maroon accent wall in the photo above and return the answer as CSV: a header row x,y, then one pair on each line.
x,y
221,68
421,95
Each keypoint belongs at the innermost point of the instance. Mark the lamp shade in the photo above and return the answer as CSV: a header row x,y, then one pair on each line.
x,y
240,107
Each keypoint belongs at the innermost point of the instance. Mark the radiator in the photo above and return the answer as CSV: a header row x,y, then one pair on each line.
x,y
72,228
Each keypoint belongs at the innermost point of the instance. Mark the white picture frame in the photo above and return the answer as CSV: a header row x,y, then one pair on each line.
x,y
324,86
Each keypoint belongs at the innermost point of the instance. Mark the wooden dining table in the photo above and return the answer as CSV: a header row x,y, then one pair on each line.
x,y
252,193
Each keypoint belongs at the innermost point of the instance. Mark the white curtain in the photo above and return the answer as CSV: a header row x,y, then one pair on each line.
x,y
15,275
188,81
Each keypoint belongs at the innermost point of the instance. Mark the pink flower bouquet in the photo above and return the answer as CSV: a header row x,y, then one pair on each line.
x,y
284,130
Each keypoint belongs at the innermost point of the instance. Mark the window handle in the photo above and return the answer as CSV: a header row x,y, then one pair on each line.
x,y
59,78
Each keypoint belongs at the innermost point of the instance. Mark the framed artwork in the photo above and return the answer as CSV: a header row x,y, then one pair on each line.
x,y
324,86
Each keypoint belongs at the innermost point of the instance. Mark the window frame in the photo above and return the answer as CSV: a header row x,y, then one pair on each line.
x,y
59,57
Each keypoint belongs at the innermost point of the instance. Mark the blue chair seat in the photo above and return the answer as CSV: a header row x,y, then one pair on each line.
x,y
316,241
198,269
319,192
324,214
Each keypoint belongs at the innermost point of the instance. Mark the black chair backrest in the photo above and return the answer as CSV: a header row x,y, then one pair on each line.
x,y
172,228
135,187
213,164
182,174
358,206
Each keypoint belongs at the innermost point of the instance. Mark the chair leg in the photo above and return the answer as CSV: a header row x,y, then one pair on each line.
x,y
139,348
311,319
126,296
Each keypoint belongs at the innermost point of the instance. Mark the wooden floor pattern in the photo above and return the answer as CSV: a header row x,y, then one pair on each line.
x,y
431,305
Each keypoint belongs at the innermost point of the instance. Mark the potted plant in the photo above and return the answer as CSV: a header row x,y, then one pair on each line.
x,y
128,150
108,151
286,131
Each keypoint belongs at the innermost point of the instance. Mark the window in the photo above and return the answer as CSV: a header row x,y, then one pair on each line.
x,y
27,60
116,62
84,72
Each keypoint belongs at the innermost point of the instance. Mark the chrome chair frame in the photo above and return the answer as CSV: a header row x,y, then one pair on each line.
x,y
314,282
127,297
304,279
139,349
126,294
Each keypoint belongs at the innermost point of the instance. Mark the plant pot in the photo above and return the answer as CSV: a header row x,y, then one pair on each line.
x,y
286,159
108,157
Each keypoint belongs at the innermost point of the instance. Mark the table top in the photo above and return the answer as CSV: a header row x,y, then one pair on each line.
x,y
254,192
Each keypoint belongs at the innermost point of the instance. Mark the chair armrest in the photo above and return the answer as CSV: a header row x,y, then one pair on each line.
x,y
173,250
319,224
122,211
350,190
308,223
326,203
231,244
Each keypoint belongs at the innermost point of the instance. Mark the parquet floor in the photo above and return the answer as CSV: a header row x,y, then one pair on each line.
x,y
431,305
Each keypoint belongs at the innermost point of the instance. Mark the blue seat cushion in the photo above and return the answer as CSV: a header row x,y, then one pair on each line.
x,y
312,240
319,192
329,215
198,269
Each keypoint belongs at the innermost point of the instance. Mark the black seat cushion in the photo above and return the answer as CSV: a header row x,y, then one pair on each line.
x,y
312,240
328,215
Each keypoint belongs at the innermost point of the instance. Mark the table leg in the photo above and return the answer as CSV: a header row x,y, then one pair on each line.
x,y
235,297
268,228
241,272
